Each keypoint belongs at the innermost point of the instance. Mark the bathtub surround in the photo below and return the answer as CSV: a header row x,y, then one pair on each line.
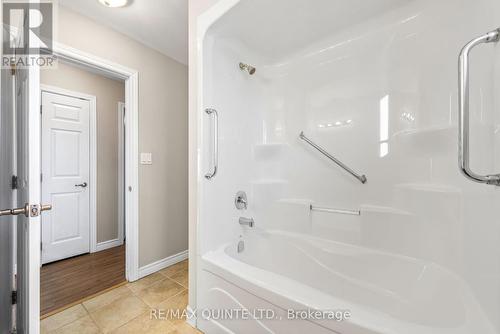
x,y
414,249
195,9
162,131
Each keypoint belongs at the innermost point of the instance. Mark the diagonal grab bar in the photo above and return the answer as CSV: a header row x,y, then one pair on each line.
x,y
361,178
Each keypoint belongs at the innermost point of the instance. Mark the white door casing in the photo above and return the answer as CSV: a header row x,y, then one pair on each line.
x,y
23,148
65,176
7,201
121,171
27,108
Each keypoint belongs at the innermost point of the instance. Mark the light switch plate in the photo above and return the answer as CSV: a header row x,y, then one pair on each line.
x,y
146,158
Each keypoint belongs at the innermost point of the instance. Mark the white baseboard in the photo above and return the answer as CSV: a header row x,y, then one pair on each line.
x,y
161,264
108,244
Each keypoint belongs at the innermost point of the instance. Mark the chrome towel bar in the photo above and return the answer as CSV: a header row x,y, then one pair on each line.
x,y
337,211
361,178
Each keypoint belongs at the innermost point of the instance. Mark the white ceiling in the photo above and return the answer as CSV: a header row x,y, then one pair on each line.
x,y
159,24
285,27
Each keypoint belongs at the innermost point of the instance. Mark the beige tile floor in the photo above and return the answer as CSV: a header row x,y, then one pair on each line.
x,y
127,309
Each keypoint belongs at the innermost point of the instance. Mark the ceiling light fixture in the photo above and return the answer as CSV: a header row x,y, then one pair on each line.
x,y
114,3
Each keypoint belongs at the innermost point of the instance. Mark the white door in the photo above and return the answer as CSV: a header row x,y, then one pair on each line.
x,y
65,176
22,156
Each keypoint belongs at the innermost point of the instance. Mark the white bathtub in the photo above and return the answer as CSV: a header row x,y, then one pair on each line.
x,y
384,293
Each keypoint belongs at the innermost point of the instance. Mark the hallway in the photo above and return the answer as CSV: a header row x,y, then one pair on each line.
x,y
68,281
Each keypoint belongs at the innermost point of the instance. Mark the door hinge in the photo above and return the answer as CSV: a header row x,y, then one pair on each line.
x,y
14,297
13,68
41,246
41,108
14,182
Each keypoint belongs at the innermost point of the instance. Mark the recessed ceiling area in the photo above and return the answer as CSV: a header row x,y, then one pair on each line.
x,y
160,24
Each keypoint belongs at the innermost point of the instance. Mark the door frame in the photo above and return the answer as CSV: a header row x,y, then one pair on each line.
x,y
35,192
131,77
113,70
121,170
93,246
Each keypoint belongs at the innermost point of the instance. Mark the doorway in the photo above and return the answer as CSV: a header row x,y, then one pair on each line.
x,y
82,171
21,187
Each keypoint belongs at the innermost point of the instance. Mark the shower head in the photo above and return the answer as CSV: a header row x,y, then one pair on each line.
x,y
250,69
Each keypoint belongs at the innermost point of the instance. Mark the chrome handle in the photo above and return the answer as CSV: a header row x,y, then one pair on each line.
x,y
241,201
6,212
16,212
463,102
82,185
210,175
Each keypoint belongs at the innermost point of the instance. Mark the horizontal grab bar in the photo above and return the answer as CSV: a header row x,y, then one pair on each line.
x,y
337,211
361,178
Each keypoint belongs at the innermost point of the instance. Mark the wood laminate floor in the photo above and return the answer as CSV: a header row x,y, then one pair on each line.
x,y
68,281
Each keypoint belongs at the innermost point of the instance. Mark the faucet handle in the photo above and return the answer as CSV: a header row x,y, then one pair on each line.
x,y
241,201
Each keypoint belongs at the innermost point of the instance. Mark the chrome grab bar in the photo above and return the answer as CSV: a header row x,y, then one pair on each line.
x,y
211,175
337,211
361,178
463,119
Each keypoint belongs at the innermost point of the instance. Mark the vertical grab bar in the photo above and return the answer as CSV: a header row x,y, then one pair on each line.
x,y
215,159
463,102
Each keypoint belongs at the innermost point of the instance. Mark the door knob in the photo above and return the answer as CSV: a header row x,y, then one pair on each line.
x,y
82,185
34,210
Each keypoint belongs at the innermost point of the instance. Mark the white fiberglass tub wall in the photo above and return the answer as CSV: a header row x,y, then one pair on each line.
x,y
374,83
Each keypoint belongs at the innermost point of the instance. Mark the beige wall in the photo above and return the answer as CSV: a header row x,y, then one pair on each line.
x,y
108,93
196,8
163,131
